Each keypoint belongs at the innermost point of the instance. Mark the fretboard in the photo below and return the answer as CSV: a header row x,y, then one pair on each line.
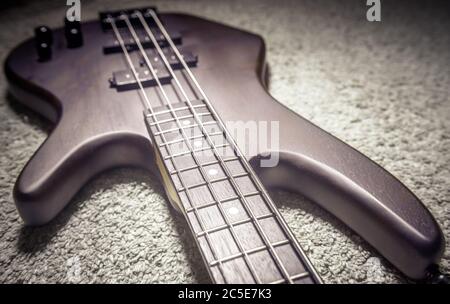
x,y
240,233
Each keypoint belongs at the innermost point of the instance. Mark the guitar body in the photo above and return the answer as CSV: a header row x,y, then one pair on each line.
x,y
98,128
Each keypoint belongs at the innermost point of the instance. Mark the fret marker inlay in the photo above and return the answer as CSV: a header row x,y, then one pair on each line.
x,y
233,211
212,172
198,144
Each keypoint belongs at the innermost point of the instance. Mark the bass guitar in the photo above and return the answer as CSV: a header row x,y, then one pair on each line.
x,y
165,92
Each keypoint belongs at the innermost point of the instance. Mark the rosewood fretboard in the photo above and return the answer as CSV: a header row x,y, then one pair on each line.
x,y
241,235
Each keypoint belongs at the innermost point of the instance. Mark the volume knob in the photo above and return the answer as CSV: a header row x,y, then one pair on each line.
x,y
73,34
44,41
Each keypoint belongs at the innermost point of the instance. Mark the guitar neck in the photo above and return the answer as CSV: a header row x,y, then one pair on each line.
x,y
240,233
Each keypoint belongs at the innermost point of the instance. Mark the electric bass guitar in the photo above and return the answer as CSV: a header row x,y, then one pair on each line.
x,y
160,91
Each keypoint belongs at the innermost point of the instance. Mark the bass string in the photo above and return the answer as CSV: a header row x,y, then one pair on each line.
x,y
235,147
210,244
272,251
150,109
233,182
281,221
186,139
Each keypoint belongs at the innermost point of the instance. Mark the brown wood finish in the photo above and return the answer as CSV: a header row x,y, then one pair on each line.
x,y
97,128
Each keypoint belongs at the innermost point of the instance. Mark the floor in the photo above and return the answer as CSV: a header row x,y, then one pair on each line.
x,y
381,87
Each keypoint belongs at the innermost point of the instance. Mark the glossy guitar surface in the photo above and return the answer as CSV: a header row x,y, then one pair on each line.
x,y
98,127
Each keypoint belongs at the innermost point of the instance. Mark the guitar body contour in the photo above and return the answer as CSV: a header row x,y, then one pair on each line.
x,y
97,128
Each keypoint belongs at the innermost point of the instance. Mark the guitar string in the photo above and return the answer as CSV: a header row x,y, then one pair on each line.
x,y
308,266
225,168
187,141
155,76
229,137
230,178
148,107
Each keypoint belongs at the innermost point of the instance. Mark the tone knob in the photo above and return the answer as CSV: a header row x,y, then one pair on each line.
x,y
44,41
74,36
44,34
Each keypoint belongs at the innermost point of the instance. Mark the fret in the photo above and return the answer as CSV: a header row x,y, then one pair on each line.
x,y
235,166
290,259
230,199
214,162
164,144
215,172
218,174
240,254
245,183
236,211
179,117
193,186
198,105
204,155
202,183
167,111
185,120
207,156
181,108
183,127
212,203
195,150
248,234
224,189
202,196
296,278
303,278
190,138
234,224
257,205
238,271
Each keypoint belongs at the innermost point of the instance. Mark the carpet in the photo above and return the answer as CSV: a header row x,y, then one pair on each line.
x,y
382,87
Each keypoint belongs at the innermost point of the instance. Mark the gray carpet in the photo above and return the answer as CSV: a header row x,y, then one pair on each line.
x,y
383,88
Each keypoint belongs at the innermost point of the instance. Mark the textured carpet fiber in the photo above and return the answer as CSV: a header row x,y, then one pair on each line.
x,y
381,87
